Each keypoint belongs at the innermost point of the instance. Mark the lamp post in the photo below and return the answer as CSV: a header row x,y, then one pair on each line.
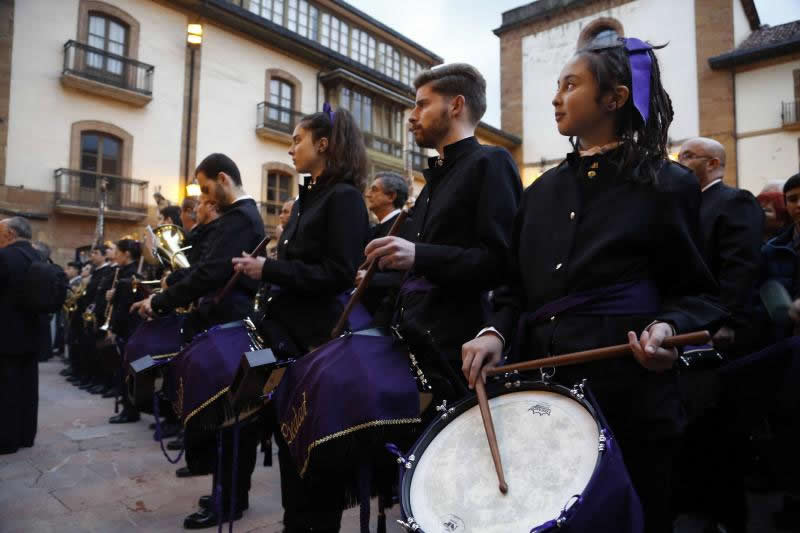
x,y
194,38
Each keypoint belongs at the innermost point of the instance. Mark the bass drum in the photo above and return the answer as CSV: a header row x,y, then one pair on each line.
x,y
563,468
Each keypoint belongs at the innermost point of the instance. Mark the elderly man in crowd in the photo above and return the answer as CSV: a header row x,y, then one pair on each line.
x,y
21,332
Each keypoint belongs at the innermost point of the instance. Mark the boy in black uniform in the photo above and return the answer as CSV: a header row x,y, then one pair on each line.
x,y
239,229
461,225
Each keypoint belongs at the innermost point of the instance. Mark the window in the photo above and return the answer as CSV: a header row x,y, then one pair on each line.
x,y
362,47
279,189
410,70
388,61
281,102
269,9
380,121
101,153
335,34
110,35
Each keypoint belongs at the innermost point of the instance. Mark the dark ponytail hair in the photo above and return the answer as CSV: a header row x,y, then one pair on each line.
x,y
130,246
644,145
346,155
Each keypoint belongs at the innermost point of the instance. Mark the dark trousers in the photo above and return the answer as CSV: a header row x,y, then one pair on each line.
x,y
306,508
19,400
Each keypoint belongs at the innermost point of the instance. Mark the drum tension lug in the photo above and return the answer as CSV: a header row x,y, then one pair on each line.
x,y
411,525
601,447
509,376
442,408
578,390
407,463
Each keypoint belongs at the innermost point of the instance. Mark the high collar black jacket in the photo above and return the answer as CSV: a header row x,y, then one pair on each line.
x,y
461,224
320,250
583,226
123,322
20,330
238,229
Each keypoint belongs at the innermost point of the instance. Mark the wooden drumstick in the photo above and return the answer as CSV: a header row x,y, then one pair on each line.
x,y
231,282
362,286
488,425
588,356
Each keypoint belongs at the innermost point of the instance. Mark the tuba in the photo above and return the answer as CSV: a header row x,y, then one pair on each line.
x,y
169,248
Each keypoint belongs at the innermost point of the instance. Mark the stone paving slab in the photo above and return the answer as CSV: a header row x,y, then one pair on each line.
x,y
86,475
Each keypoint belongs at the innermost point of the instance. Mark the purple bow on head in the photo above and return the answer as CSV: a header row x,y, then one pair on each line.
x,y
326,108
641,64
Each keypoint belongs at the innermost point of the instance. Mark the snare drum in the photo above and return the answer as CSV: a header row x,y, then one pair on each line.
x,y
563,468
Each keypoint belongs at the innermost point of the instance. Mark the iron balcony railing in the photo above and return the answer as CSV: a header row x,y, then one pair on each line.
x,y
276,117
790,113
101,66
79,188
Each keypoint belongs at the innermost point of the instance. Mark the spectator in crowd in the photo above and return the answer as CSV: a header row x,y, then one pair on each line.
x,y
161,202
776,217
780,259
170,215
283,219
20,331
188,214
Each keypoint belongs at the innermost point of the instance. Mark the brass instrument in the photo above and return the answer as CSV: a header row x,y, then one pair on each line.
x,y
109,306
73,295
137,284
88,318
169,240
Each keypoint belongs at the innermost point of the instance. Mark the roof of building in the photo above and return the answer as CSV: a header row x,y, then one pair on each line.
x,y
507,138
540,9
764,43
534,11
387,29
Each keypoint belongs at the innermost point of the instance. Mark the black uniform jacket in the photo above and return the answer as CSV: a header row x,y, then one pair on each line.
x,y
199,239
318,256
461,224
382,289
731,224
238,229
123,322
582,226
97,280
20,330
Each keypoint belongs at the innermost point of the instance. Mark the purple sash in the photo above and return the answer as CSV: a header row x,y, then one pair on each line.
x,y
359,318
348,385
416,284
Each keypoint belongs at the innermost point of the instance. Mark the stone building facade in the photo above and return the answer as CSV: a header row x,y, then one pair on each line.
x,y
136,92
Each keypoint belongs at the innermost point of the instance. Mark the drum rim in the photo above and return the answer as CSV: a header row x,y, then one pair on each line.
x,y
499,388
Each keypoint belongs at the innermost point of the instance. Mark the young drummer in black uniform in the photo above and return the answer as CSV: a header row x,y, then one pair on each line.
x,y
239,229
461,224
618,222
123,322
318,257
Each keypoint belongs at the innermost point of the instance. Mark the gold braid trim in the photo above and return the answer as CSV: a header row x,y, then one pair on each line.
x,y
163,356
374,423
204,405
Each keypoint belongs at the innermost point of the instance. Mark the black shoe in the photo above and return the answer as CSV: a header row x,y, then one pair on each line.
x,y
124,417
74,379
203,519
67,372
185,472
205,503
176,444
97,389
86,385
152,425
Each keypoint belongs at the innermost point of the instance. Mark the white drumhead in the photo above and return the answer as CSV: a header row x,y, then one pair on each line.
x,y
549,448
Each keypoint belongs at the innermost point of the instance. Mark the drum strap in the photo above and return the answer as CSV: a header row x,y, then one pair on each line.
x,y
159,433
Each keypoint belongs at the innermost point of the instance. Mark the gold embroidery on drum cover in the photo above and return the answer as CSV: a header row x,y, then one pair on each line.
x,y
290,429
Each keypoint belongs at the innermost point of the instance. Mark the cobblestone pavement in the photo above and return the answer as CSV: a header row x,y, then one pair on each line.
x,y
85,475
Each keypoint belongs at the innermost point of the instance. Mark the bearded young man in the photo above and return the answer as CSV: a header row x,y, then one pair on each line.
x,y
461,226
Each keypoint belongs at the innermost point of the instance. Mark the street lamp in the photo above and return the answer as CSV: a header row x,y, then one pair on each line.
x,y
194,34
193,189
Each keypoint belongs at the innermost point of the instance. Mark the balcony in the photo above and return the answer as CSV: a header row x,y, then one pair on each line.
x,y
105,74
790,115
77,192
276,123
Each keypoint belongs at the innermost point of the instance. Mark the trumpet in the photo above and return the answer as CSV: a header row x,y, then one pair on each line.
x,y
109,306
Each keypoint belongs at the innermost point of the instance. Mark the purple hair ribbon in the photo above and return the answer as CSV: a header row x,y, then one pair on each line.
x,y
641,65
326,108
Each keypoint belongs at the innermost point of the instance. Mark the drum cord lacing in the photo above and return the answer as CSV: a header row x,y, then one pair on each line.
x,y
160,435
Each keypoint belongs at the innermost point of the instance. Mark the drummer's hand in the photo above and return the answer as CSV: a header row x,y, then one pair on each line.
x,y
359,276
392,253
143,307
647,348
479,354
249,266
